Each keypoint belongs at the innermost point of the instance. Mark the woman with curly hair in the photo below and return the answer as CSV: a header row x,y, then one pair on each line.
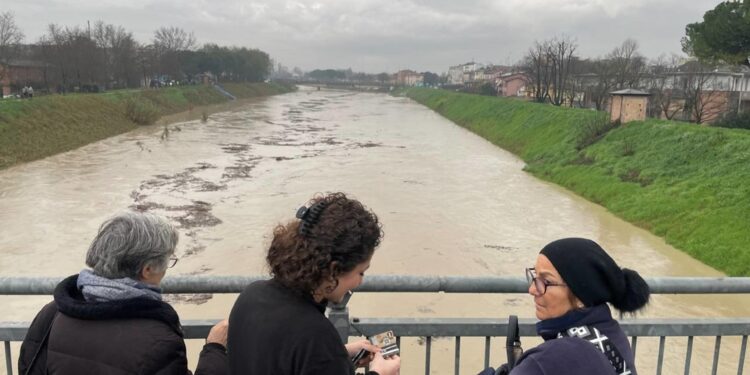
x,y
278,326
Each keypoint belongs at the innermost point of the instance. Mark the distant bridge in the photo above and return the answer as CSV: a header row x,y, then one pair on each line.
x,y
344,85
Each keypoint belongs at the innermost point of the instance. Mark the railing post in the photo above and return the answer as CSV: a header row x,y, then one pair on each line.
x,y
338,314
8,361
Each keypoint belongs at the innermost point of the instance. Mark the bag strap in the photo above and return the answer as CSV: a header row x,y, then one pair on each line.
x,y
603,344
42,345
513,348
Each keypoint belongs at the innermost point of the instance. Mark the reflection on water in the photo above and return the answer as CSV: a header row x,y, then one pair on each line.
x,y
451,204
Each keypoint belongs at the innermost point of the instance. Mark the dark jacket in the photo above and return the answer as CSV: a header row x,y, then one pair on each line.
x,y
275,331
133,336
573,355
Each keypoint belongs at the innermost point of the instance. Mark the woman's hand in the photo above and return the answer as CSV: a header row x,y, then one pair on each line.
x,y
218,333
386,366
353,349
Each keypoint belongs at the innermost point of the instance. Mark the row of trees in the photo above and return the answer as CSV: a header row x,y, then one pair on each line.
x,y
678,90
108,56
558,76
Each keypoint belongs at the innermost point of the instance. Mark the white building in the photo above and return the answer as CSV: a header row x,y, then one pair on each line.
x,y
460,74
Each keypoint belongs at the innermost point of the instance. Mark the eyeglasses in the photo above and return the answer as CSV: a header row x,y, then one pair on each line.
x,y
540,284
172,261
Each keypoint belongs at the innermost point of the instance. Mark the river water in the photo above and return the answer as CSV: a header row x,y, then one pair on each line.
x,y
451,204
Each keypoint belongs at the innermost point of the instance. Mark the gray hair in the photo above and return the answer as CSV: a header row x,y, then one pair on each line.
x,y
130,241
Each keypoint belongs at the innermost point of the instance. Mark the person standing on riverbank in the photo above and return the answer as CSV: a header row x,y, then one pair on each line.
x,y
111,319
278,326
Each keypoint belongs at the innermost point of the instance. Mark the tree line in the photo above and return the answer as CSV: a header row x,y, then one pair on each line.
x,y
557,75
105,56
348,75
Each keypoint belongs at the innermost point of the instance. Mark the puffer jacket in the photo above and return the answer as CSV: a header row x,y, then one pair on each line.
x,y
573,355
132,336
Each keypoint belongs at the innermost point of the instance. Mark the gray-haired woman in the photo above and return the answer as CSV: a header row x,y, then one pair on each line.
x,y
111,319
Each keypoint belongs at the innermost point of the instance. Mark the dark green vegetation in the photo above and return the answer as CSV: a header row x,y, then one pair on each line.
x,y
686,183
724,34
735,120
46,125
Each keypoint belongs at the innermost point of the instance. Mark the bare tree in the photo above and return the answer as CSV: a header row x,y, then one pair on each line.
x,y
701,97
604,83
537,68
147,62
55,54
579,79
117,49
43,52
560,56
168,43
11,37
74,56
549,65
82,52
173,39
628,66
623,67
661,84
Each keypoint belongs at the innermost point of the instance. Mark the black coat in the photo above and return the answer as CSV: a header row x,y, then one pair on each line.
x,y
275,331
133,336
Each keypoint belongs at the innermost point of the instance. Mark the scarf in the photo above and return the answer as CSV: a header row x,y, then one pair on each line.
x,y
101,289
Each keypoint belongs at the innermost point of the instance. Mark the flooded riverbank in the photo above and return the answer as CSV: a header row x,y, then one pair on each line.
x,y
451,204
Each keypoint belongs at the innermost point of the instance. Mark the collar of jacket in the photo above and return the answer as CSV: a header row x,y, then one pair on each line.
x,y
70,302
549,328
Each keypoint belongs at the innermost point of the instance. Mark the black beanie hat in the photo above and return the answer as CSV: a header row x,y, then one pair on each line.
x,y
594,277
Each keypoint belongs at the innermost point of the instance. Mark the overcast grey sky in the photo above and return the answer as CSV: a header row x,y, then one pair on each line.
x,y
385,35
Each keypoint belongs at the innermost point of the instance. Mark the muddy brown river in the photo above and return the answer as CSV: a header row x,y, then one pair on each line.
x,y
451,204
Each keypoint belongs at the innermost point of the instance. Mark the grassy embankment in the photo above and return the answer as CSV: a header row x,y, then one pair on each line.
x,y
47,125
686,183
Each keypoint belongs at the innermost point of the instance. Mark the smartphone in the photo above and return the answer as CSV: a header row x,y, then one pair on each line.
x,y
362,353
387,343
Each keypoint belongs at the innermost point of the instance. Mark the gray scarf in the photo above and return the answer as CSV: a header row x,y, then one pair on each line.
x,y
101,289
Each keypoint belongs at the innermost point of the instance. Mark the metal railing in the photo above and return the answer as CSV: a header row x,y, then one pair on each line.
x,y
457,328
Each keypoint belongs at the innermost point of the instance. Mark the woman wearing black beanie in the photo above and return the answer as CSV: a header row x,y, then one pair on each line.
x,y
572,282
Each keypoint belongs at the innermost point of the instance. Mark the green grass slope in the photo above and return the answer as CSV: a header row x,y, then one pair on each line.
x,y
686,183
47,125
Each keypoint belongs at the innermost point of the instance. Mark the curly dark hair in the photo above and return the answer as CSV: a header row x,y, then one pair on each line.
x,y
345,232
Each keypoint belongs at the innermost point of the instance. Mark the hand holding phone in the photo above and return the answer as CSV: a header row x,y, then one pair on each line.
x,y
358,357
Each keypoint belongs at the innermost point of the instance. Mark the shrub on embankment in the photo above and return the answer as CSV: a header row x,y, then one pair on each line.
x,y
47,125
686,183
